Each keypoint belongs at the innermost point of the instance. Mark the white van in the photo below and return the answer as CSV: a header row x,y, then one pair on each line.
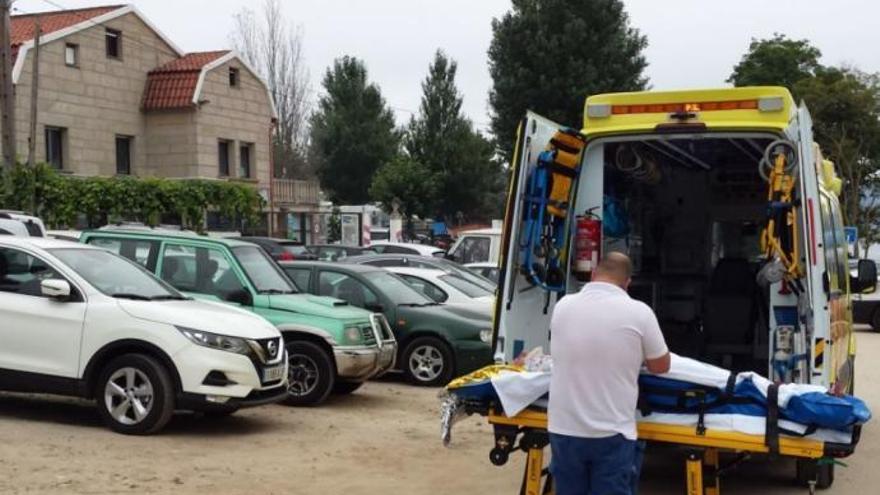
x,y
33,226
477,246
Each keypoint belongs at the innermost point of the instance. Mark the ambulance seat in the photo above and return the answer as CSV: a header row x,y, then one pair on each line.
x,y
729,317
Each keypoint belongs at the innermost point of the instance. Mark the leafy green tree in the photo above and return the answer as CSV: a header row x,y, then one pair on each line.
x,y
407,182
777,61
549,55
353,132
444,141
334,225
845,105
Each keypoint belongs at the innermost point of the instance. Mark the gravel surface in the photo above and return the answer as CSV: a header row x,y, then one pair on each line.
x,y
382,439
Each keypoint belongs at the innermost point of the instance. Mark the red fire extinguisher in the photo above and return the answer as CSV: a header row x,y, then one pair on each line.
x,y
587,244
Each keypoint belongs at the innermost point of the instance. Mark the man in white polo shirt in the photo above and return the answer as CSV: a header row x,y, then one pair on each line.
x,y
599,339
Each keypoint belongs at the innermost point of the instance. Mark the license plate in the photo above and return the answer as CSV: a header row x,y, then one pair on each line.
x,y
273,374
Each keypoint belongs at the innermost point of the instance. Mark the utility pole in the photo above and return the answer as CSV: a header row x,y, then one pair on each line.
x,y
35,85
7,97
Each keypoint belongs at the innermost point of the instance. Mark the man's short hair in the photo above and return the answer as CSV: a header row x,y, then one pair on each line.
x,y
616,266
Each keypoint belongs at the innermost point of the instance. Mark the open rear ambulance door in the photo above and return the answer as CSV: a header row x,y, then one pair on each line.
x,y
522,313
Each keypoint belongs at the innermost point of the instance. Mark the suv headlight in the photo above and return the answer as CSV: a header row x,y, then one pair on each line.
x,y
486,335
352,335
215,341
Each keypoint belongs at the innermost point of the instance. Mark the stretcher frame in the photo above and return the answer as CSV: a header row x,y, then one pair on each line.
x,y
703,469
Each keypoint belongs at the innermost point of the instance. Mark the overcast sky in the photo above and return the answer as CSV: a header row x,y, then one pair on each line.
x,y
692,43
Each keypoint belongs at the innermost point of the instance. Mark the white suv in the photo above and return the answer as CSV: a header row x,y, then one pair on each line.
x,y
81,321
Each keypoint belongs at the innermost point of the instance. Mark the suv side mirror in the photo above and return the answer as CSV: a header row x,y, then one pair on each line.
x,y
866,280
55,288
240,296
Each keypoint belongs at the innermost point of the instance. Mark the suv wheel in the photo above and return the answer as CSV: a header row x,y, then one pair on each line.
x,y
135,395
310,374
428,361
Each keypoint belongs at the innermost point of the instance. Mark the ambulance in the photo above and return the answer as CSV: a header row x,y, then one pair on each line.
x,y
728,210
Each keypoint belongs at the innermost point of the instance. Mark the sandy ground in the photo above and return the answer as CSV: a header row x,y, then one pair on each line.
x,y
384,439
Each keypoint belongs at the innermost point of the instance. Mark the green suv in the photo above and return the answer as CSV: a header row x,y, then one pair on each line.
x,y
331,345
436,341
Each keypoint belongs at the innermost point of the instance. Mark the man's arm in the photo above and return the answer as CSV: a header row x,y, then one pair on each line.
x,y
660,365
657,358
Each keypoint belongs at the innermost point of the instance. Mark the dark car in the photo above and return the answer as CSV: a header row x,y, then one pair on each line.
x,y
430,262
435,342
281,249
336,252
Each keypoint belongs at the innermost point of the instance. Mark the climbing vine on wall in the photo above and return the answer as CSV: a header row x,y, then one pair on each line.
x,y
59,199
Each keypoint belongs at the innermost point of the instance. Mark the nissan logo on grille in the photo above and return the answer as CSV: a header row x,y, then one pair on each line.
x,y
272,347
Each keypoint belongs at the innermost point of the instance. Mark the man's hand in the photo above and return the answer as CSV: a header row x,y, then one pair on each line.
x,y
660,365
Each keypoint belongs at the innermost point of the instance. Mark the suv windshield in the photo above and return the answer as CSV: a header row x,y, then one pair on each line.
x,y
262,271
396,289
467,288
116,276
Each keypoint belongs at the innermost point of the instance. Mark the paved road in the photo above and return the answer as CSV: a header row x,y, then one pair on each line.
x,y
381,440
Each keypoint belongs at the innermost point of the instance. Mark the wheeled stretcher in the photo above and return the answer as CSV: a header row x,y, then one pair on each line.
x,y
744,416
527,431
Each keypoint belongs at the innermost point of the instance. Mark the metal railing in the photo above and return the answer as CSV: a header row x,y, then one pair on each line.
x,y
294,192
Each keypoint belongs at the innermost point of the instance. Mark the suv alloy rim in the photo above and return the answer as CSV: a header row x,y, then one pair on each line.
x,y
302,375
426,363
128,396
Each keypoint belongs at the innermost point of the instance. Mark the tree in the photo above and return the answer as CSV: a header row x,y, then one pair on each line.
x,y
353,132
777,61
549,55
407,182
443,140
845,105
269,44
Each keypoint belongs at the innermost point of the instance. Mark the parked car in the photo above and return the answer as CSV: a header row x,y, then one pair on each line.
x,y
11,222
281,249
477,246
413,261
64,235
436,342
486,270
407,248
331,345
336,252
447,288
81,321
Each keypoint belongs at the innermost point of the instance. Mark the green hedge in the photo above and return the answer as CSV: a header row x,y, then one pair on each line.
x,y
59,199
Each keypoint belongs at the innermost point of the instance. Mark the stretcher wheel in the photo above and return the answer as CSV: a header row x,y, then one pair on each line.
x,y
810,470
498,456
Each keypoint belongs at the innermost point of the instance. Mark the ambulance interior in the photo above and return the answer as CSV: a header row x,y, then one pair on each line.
x,y
689,211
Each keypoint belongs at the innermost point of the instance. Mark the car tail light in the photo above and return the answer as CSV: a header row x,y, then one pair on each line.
x,y
286,256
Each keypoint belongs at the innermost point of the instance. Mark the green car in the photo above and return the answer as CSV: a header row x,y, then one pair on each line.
x,y
331,345
436,342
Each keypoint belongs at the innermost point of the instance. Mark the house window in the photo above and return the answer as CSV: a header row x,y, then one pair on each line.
x,y
244,161
123,155
114,43
233,77
55,146
223,157
71,55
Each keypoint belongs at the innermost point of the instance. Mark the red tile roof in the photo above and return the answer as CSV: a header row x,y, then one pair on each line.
x,y
173,84
23,25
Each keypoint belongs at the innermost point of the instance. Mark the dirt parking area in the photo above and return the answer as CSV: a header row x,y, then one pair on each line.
x,y
382,439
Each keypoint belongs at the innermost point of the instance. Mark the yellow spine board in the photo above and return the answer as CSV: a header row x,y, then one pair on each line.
x,y
567,150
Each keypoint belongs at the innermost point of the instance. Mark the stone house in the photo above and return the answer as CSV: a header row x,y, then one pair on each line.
x,y
117,97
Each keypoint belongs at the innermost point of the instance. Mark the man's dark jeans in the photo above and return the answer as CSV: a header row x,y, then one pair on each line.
x,y
595,466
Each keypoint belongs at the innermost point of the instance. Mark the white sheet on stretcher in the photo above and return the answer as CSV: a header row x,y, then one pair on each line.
x,y
517,391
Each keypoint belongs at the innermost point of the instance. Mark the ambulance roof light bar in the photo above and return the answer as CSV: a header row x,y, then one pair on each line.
x,y
766,104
